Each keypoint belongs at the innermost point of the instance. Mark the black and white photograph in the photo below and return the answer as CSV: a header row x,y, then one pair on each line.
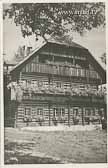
x,y
54,83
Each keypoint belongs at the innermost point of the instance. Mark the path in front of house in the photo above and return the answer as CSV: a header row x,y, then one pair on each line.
x,y
55,146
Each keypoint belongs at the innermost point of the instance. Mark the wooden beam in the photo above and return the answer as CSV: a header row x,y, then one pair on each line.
x,y
105,111
37,59
69,115
49,113
53,58
16,113
73,60
20,76
82,116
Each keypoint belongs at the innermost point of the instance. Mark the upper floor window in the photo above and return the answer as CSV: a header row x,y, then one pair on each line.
x,y
88,112
58,85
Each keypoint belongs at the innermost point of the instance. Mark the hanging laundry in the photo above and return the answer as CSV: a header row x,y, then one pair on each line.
x,y
12,86
19,93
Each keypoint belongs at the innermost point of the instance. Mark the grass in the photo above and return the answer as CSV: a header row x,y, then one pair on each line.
x,y
22,147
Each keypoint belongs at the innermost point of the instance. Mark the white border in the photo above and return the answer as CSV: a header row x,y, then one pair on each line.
x,y
1,88
51,1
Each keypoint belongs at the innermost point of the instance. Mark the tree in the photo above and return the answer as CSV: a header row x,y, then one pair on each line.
x,y
56,18
19,55
21,52
103,58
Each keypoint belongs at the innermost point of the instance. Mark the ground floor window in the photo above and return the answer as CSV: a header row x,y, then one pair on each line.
x,y
75,111
73,115
58,112
33,111
27,111
101,112
59,115
40,111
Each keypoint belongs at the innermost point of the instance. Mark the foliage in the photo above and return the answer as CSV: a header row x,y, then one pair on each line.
x,y
19,55
103,58
56,18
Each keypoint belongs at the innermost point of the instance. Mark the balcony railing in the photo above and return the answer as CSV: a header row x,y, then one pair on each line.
x,y
62,70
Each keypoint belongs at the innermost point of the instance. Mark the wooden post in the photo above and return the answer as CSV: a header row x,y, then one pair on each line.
x,y
16,111
37,59
49,114
105,111
20,76
73,60
69,115
82,116
10,113
53,59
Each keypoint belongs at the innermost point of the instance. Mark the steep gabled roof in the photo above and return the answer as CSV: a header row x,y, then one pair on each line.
x,y
59,42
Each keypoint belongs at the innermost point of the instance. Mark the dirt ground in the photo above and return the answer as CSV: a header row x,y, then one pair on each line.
x,y
22,147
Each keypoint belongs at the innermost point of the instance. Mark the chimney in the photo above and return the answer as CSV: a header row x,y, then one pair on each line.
x,y
28,50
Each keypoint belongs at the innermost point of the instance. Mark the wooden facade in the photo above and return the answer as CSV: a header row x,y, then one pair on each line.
x,y
56,84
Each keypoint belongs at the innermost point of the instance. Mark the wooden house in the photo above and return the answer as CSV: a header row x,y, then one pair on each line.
x,y
56,84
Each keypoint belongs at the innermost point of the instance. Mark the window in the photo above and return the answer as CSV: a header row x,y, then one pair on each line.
x,y
33,111
59,112
75,112
94,112
40,83
67,85
102,111
88,112
55,112
58,84
62,111
40,111
27,111
82,87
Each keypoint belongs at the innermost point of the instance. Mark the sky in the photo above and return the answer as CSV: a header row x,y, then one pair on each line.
x,y
93,40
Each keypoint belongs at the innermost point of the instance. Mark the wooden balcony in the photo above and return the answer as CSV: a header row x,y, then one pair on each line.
x,y
61,70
